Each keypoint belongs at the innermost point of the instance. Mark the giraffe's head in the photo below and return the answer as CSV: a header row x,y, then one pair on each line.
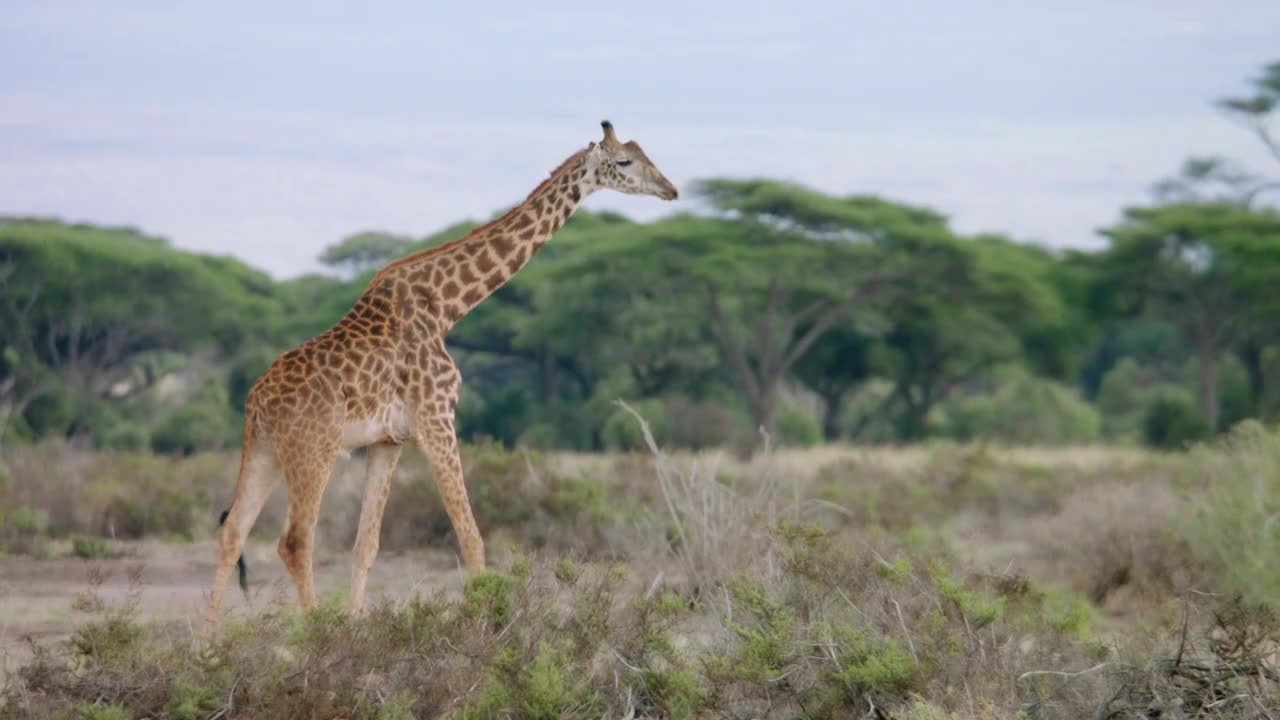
x,y
624,167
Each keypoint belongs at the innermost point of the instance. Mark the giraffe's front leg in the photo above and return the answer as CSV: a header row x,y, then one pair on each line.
x,y
438,441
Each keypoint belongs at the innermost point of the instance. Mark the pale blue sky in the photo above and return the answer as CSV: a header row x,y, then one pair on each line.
x,y
269,130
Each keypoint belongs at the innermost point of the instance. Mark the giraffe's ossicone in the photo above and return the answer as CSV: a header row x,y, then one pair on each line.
x,y
382,377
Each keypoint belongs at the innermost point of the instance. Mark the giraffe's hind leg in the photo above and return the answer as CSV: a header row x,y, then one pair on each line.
x,y
258,477
438,441
380,467
307,471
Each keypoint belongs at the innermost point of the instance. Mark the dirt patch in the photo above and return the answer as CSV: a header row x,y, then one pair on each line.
x,y
37,595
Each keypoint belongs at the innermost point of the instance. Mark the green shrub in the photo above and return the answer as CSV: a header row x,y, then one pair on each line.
x,y
1024,410
1235,397
93,711
546,688
540,436
322,628
978,608
502,415
191,701
677,693
797,428
765,644
244,372
622,431
1123,395
26,520
1068,613
873,665
89,548
1172,421
398,707
488,596
192,428
126,435
22,532
1237,527
109,640
52,413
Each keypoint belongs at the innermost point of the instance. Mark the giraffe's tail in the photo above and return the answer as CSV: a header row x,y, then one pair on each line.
x,y
244,570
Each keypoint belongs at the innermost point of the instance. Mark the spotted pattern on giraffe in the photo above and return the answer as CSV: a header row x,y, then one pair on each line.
x,y
382,377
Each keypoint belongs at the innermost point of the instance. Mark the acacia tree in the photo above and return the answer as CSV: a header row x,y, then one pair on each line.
x,y
365,251
772,273
992,305
837,363
1258,111
1205,268
855,255
23,379
88,303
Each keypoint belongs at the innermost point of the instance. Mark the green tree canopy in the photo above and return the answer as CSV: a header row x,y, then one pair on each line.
x,y
364,251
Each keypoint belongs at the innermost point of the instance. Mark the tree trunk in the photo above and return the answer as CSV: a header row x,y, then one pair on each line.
x,y
764,409
832,404
1250,354
1208,382
550,378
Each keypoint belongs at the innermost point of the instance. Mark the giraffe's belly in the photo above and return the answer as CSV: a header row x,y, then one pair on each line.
x,y
389,423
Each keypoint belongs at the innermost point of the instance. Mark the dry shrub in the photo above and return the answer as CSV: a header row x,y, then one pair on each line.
x,y
515,496
134,495
536,641
1222,660
1118,545
821,631
125,495
703,424
950,480
752,611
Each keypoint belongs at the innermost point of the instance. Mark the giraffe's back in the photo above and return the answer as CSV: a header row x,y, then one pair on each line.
x,y
368,374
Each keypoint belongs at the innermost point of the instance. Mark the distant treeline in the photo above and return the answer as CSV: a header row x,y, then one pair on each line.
x,y
809,315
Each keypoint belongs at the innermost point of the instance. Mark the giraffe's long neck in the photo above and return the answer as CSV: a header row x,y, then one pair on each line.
x,y
466,271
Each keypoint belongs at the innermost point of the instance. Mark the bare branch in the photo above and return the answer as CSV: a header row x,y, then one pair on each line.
x,y
830,316
1252,195
1264,134
736,354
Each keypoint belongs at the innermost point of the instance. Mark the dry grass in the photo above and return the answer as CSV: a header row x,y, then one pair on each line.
x,y
941,582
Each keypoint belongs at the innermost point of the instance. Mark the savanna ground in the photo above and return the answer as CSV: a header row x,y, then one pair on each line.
x,y
930,582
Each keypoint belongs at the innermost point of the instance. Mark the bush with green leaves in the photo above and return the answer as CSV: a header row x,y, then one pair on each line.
x,y
621,431
1023,410
194,427
1172,421
90,548
22,531
1236,528
52,413
126,435
797,428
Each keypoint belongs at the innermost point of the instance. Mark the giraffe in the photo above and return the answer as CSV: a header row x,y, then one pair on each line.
x,y
382,377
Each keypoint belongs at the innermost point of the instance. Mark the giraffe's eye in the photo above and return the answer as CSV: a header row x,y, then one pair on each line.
x,y
623,163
